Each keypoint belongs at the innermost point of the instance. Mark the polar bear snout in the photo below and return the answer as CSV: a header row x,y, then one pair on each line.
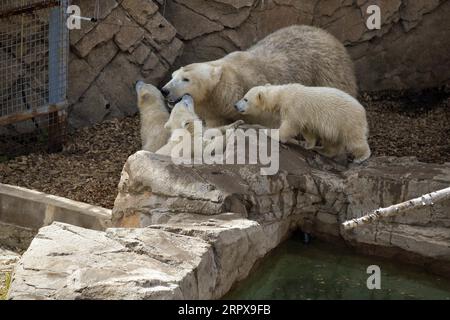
x,y
138,85
241,106
168,93
165,92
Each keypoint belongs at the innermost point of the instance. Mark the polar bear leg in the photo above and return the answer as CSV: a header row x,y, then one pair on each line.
x,y
359,149
310,140
287,132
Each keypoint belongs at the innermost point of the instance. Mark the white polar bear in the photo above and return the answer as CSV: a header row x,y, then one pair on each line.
x,y
153,115
296,54
184,117
328,114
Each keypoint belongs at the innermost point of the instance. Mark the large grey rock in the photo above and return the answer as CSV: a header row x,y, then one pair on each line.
x,y
152,185
202,228
237,242
316,193
68,262
188,257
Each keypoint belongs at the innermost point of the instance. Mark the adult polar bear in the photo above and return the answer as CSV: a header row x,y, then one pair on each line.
x,y
296,54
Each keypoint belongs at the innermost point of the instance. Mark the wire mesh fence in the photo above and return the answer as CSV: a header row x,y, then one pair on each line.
x,y
33,75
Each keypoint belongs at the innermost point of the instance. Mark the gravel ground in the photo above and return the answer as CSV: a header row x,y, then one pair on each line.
x,y
88,170
407,124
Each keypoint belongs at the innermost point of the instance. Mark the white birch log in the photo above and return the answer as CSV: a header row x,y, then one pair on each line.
x,y
428,199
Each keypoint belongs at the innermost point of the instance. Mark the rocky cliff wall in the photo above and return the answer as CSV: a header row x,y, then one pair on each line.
x,y
191,232
145,39
131,41
411,50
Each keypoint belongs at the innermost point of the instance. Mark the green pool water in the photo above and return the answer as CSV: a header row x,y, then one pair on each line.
x,y
324,271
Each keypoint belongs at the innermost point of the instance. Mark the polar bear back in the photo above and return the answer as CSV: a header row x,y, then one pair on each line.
x,y
307,55
329,112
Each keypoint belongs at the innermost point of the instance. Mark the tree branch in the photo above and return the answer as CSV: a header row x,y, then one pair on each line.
x,y
428,199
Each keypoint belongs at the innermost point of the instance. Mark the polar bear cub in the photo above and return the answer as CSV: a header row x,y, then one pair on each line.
x,y
183,116
328,114
180,118
154,115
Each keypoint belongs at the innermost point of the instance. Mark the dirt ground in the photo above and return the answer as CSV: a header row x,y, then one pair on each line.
x,y
88,170
408,124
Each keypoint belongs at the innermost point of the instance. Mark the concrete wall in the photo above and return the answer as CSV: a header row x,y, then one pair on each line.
x,y
24,211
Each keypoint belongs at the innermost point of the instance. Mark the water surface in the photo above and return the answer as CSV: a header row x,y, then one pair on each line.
x,y
323,271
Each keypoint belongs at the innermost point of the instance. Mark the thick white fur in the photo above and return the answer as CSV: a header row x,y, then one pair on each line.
x,y
296,54
183,116
328,114
154,115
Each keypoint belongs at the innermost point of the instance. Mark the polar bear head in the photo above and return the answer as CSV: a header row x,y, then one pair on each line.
x,y
196,80
149,97
254,101
182,114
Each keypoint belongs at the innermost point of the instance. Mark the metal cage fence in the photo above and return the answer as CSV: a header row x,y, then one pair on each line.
x,y
33,75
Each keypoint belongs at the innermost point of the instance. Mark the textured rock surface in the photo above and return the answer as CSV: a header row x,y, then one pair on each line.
x,y
204,227
131,41
423,232
189,258
68,262
315,193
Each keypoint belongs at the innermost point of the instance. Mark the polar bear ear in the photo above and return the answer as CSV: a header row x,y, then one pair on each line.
x,y
190,108
260,97
188,103
186,123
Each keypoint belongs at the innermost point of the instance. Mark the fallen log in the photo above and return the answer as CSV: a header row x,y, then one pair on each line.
x,y
428,199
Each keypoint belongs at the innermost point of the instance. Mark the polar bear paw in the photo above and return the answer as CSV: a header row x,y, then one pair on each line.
x,y
236,124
